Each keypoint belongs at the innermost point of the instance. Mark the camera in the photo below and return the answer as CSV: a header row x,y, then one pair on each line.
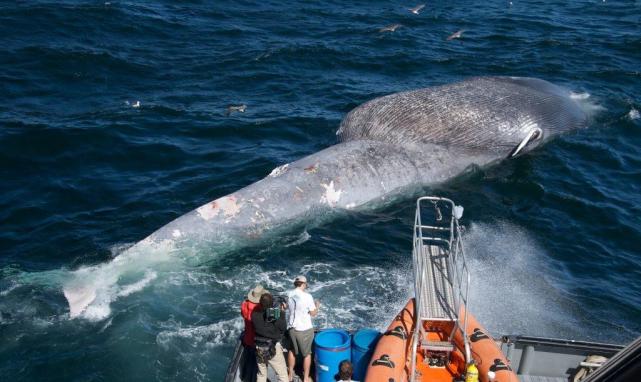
x,y
274,312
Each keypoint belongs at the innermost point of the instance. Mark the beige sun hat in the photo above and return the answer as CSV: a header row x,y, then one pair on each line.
x,y
254,294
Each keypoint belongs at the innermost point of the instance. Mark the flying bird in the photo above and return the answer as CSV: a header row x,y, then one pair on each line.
x,y
456,35
390,28
416,9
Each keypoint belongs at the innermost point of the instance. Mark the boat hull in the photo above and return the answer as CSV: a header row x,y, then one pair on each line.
x,y
391,359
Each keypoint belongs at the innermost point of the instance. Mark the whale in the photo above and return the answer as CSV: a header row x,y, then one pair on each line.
x,y
386,147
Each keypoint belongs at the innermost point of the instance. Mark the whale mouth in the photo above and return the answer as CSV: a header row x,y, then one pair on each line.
x,y
534,135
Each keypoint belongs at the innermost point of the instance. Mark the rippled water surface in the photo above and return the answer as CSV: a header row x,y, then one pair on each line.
x,y
552,236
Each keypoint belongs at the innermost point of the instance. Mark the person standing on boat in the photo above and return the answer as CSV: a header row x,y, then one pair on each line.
x,y
248,362
302,308
270,325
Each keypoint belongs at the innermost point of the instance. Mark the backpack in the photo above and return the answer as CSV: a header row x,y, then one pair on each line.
x,y
265,349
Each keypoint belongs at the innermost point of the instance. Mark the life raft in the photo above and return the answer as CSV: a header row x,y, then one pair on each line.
x,y
391,360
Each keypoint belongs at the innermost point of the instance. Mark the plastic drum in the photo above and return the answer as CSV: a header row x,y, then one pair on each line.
x,y
362,348
331,346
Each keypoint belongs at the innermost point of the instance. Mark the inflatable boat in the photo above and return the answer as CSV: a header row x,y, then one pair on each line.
x,y
435,338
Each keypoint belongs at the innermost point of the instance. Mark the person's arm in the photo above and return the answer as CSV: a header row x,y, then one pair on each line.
x,y
313,308
281,324
246,311
259,323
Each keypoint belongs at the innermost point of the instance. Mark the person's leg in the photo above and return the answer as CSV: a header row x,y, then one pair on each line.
x,y
253,371
244,367
261,375
307,362
291,362
278,364
293,351
307,338
248,364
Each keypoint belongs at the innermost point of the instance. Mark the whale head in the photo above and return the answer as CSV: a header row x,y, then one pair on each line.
x,y
503,116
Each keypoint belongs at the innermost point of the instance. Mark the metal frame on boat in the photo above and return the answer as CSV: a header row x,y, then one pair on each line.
x,y
441,276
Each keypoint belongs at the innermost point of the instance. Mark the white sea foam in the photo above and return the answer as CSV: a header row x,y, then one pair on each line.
x,y
9,289
509,290
351,297
137,286
354,297
219,333
579,96
633,114
588,103
106,325
303,237
91,290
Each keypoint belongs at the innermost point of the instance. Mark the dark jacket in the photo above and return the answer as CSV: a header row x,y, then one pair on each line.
x,y
273,330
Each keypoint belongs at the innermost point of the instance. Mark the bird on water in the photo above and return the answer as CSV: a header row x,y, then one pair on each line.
x,y
235,108
390,28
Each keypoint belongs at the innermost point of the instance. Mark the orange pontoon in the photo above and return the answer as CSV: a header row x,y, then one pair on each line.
x,y
434,338
391,358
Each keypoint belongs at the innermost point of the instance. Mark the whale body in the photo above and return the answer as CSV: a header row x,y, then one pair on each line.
x,y
386,146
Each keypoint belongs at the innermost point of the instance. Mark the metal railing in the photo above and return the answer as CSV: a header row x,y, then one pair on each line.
x,y
443,277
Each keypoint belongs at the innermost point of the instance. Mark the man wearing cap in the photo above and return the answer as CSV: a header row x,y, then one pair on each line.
x,y
248,363
302,308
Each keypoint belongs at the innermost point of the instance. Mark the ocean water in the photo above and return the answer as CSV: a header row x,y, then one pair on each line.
x,y
112,123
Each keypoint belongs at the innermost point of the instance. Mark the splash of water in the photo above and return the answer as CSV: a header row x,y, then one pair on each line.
x,y
91,290
511,289
590,105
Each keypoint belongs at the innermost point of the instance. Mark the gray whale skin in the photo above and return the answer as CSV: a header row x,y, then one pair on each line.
x,y
386,146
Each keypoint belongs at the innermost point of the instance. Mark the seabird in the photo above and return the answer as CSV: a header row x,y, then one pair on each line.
x,y
390,28
416,9
233,108
456,35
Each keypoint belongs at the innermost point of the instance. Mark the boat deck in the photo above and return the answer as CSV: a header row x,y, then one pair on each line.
x,y
436,294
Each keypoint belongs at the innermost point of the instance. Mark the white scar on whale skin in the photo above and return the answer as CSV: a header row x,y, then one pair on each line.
x,y
279,170
227,205
331,195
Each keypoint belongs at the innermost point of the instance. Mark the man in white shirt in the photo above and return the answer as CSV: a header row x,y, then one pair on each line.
x,y
302,308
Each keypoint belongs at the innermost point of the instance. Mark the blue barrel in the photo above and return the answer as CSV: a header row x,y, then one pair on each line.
x,y
331,346
362,348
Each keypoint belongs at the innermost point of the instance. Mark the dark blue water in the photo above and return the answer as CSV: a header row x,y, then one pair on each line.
x,y
553,236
